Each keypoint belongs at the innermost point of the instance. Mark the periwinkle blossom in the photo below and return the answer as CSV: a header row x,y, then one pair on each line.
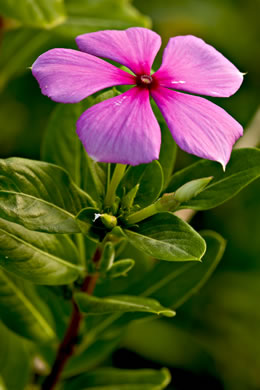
x,y
124,129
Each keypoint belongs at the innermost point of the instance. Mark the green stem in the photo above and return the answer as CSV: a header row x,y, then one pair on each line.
x,y
112,187
166,203
81,248
142,214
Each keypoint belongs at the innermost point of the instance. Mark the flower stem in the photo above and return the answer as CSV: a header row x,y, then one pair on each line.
x,y
67,346
112,187
166,203
142,214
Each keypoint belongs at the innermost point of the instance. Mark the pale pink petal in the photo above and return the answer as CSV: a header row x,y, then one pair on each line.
x,y
122,129
135,47
68,76
189,64
198,126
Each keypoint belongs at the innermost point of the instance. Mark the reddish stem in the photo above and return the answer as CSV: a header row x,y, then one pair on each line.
x,y
67,346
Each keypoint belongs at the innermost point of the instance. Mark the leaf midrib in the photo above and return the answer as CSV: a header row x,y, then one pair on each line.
x,y
174,246
34,248
118,302
53,205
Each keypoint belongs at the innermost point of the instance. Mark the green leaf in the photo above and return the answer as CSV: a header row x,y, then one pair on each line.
x,y
37,13
166,237
38,257
120,303
150,180
15,359
62,146
115,379
168,153
173,283
22,310
39,196
88,16
242,169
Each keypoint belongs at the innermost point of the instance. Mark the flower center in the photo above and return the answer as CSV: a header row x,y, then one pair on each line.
x,y
144,81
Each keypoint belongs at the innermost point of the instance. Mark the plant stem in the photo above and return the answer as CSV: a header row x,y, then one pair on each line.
x,y
166,203
142,214
67,346
112,187
81,248
65,350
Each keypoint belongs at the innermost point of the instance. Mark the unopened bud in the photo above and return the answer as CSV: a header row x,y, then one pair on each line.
x,y
109,221
191,189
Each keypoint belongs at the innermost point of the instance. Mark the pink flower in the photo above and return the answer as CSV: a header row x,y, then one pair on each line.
x,y
124,129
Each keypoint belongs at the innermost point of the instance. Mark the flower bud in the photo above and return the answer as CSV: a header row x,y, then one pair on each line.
x,y
191,189
109,221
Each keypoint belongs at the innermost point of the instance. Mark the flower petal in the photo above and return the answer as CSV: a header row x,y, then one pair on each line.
x,y
68,76
122,129
189,64
198,126
135,47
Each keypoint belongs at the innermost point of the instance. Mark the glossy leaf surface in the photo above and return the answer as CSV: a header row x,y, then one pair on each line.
x,y
120,303
38,257
39,196
166,237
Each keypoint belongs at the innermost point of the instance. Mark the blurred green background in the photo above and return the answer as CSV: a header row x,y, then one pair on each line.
x,y
215,338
